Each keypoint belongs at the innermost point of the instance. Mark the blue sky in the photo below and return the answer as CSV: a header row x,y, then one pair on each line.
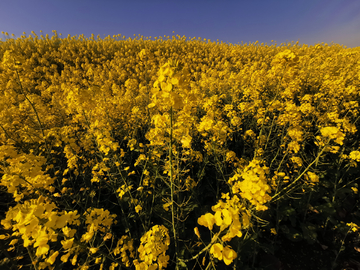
x,y
230,21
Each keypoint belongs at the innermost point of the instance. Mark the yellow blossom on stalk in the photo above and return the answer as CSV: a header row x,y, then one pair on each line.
x,y
67,244
138,208
230,156
312,178
153,248
113,266
42,250
68,232
27,219
24,172
65,258
223,217
207,220
223,253
354,227
142,53
294,146
355,155
10,60
230,214
93,250
254,186
74,259
100,219
167,205
52,257
196,230
125,244
297,161
216,250
333,133
88,235
123,189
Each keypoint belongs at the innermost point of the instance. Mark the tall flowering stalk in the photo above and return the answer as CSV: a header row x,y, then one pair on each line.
x,y
166,98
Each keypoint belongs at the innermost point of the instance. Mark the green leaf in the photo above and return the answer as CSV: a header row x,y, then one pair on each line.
x,y
291,233
309,232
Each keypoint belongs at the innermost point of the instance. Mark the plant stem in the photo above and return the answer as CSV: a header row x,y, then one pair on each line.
x,y
172,186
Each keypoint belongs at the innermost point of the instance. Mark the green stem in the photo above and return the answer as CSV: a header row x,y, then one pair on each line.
x,y
172,185
277,196
33,261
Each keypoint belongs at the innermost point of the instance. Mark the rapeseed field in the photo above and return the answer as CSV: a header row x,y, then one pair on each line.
x,y
174,154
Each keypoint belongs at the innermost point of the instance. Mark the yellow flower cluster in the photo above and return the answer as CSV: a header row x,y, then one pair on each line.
x,y
125,244
230,214
122,190
164,95
9,60
153,247
227,254
332,133
312,178
24,171
254,184
355,155
227,214
170,91
37,222
97,219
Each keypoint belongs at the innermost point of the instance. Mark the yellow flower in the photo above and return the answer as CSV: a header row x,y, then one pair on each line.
x,y
74,259
230,156
216,250
228,255
333,133
186,141
52,258
3,236
87,236
196,230
223,217
174,81
113,265
64,258
313,177
138,208
68,231
41,239
67,243
93,250
163,261
354,227
142,54
41,250
355,155
207,220
167,205
13,242
221,253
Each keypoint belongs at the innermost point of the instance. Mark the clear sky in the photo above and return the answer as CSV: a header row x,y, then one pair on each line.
x,y
231,21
